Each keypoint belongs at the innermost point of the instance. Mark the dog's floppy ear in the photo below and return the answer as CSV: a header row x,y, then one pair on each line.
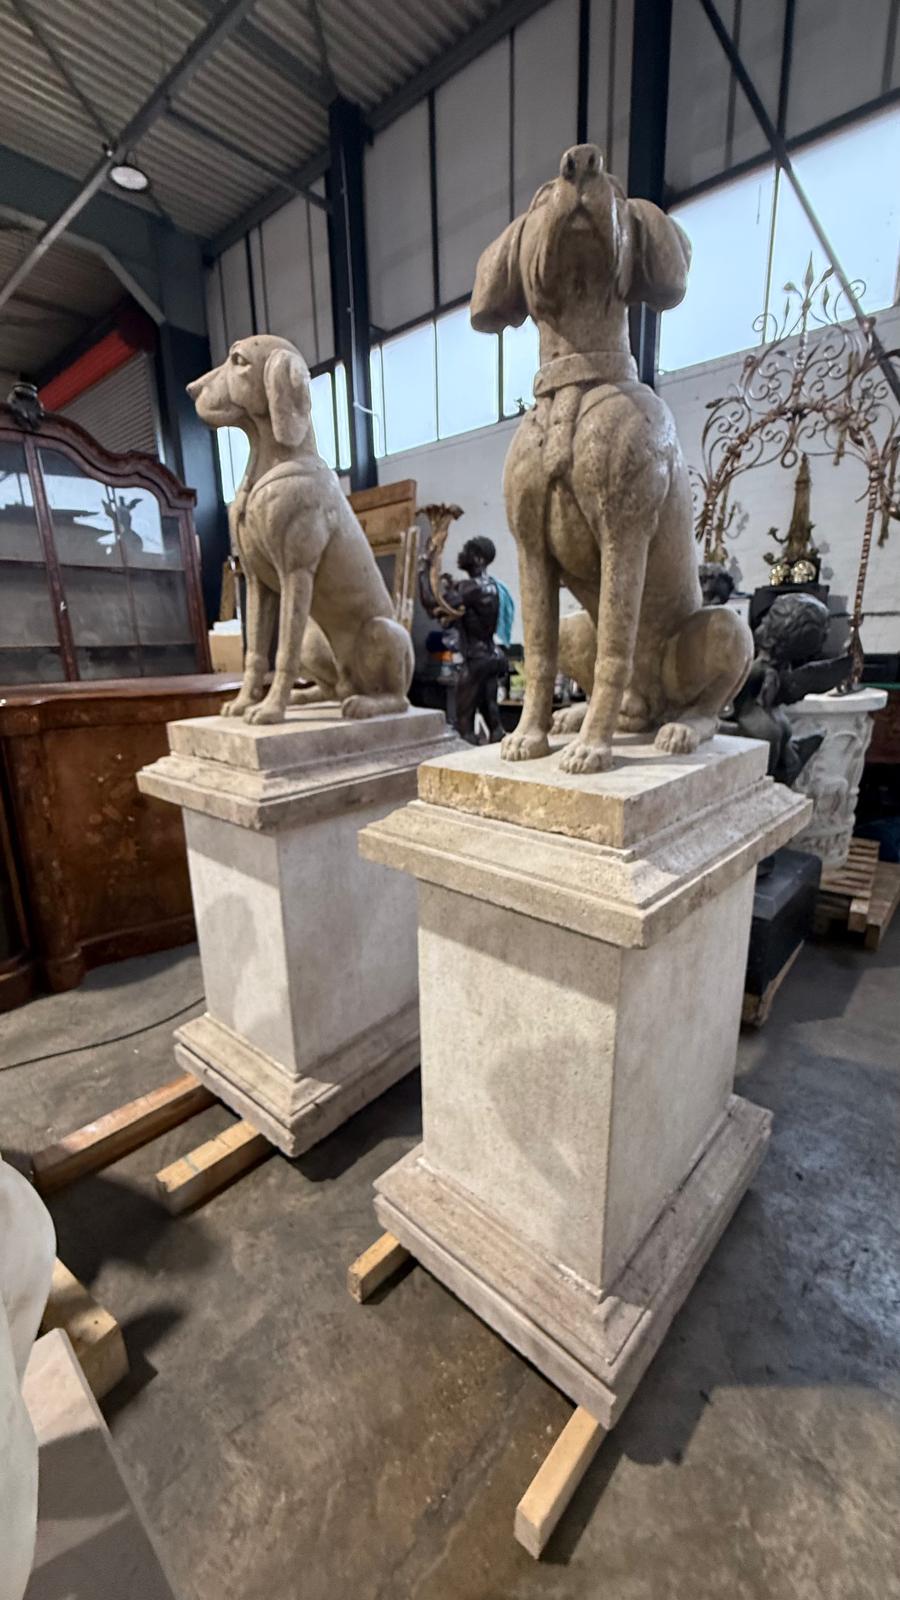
x,y
498,298
286,380
657,254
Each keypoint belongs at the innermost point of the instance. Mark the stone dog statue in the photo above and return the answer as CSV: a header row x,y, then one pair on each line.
x,y
305,556
596,488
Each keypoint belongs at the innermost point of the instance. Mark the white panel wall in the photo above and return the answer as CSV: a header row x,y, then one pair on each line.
x,y
472,145
288,281
609,81
398,221
235,292
215,318
545,56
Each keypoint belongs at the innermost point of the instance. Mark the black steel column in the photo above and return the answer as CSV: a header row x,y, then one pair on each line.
x,y
651,49
349,279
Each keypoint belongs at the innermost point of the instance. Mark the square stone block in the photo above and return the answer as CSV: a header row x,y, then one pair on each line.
x,y
582,951
308,951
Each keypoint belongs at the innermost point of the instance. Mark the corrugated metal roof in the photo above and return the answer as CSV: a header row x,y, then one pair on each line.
x,y
68,290
118,50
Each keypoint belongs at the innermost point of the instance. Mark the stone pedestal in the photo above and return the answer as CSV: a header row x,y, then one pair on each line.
x,y
831,778
582,947
308,951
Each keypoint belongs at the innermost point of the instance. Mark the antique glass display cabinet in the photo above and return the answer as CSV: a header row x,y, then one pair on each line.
x,y
99,574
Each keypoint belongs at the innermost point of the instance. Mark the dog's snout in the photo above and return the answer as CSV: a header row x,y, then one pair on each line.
x,y
583,161
194,387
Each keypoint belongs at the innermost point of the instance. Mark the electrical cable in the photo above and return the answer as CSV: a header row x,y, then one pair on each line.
x,y
98,1044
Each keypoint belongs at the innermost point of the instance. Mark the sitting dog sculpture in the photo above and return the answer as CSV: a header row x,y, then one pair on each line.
x,y
596,488
299,540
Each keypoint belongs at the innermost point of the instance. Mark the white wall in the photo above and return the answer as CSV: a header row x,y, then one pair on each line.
x,y
766,495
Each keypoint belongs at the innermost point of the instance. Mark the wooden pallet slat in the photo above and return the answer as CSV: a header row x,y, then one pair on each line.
x,y
884,902
206,1170
556,1480
95,1334
373,1268
118,1133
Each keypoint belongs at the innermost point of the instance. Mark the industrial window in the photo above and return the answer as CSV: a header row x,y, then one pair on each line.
x,y
750,237
467,375
409,390
234,453
521,359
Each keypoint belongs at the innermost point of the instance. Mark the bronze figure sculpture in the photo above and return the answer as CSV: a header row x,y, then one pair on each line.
x,y
472,606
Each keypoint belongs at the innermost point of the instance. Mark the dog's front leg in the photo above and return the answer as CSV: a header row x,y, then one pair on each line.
x,y
622,575
539,581
262,608
296,597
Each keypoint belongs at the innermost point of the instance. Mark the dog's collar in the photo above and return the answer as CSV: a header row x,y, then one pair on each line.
x,y
593,366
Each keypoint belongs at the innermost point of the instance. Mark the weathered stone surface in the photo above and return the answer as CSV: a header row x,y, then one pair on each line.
x,y
92,1536
303,553
311,766
644,791
27,1247
831,779
596,487
629,896
580,1005
308,951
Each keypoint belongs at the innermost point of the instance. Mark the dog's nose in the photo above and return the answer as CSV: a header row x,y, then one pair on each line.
x,y
193,388
583,161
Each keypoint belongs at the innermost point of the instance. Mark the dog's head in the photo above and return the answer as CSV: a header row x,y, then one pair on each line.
x,y
260,377
580,238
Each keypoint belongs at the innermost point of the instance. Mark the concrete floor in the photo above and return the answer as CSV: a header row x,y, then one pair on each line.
x,y
289,1443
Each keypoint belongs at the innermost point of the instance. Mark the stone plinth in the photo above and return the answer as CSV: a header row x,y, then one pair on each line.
x,y
831,778
582,948
308,951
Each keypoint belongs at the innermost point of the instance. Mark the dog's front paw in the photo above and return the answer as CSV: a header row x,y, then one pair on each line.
x,y
569,720
677,739
266,711
581,757
524,746
234,708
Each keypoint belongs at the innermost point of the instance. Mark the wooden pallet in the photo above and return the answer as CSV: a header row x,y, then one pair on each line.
x,y
553,1485
185,1183
862,895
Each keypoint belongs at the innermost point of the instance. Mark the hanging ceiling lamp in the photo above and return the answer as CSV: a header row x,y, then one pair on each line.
x,y
128,175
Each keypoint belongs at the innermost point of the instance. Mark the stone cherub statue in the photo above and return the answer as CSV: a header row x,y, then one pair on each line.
x,y
472,606
303,553
596,488
788,664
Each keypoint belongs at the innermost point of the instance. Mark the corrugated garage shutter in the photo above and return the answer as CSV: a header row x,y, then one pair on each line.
x,y
120,411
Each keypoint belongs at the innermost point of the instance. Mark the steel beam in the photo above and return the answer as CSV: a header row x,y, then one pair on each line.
x,y
651,51
495,27
350,281
285,180
272,54
227,18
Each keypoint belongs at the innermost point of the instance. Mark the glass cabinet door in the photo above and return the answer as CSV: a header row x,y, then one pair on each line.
x,y
122,575
30,650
